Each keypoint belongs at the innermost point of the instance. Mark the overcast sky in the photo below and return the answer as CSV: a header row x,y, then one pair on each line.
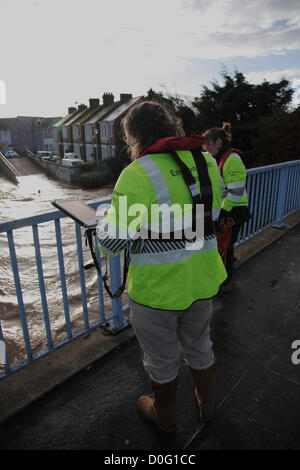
x,y
58,52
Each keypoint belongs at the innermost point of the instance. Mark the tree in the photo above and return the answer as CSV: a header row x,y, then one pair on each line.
x,y
240,102
244,105
278,138
177,107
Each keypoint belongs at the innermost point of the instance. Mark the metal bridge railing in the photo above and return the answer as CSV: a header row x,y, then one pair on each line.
x,y
273,191
112,316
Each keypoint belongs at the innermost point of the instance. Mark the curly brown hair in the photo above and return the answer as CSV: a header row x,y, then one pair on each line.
x,y
145,123
224,133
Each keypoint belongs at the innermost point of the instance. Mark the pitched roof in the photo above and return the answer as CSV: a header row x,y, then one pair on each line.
x,y
50,121
121,109
102,113
88,113
74,117
31,121
64,119
5,123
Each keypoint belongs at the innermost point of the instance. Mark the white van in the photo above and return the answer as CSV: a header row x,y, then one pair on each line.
x,y
71,159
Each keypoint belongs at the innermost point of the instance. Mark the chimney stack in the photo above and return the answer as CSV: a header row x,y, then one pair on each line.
x,y
71,110
94,103
108,98
125,97
82,106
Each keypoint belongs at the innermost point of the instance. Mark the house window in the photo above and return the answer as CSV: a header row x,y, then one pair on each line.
x,y
104,131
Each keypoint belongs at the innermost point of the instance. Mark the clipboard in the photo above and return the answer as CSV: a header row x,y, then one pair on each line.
x,y
79,211
85,216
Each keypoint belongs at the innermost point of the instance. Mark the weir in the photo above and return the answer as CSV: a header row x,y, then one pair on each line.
x,y
273,191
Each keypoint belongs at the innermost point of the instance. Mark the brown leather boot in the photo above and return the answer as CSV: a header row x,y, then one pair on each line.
x,y
160,408
205,381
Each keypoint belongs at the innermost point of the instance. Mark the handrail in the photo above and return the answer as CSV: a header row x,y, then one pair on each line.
x,y
9,169
112,318
261,169
13,224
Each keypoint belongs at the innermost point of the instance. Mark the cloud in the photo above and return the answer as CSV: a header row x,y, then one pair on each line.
x,y
225,45
293,75
296,98
239,28
100,45
273,75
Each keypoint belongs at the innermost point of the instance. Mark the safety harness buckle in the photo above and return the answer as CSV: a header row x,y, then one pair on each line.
x,y
194,190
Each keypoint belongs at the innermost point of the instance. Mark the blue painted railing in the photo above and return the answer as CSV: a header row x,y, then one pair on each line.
x,y
273,191
112,318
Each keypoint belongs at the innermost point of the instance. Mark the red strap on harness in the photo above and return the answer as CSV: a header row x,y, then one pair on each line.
x,y
226,155
223,239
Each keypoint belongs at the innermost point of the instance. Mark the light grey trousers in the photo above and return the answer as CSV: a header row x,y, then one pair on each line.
x,y
160,334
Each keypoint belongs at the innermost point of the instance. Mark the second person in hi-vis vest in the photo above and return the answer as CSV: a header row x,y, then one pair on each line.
x,y
234,207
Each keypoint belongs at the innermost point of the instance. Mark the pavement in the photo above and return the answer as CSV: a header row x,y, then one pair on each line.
x,y
258,384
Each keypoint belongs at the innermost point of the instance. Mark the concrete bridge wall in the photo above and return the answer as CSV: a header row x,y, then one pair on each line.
x,y
56,169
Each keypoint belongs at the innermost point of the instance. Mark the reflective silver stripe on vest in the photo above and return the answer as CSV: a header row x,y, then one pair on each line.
x,y
157,179
236,195
174,256
159,183
240,185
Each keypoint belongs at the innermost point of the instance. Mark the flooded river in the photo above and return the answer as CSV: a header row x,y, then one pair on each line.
x,y
32,197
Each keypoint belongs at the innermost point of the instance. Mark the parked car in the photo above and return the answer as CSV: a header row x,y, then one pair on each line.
x,y
55,158
72,156
71,160
12,154
44,155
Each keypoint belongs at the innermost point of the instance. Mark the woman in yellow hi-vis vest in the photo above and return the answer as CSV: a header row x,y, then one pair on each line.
x,y
174,270
234,207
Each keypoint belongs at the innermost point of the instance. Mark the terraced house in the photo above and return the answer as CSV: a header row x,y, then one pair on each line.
x,y
5,134
110,125
92,128
78,129
57,131
27,132
67,134
91,132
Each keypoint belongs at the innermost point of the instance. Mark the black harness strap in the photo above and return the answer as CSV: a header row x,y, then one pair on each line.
x,y
206,191
89,233
191,183
206,196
